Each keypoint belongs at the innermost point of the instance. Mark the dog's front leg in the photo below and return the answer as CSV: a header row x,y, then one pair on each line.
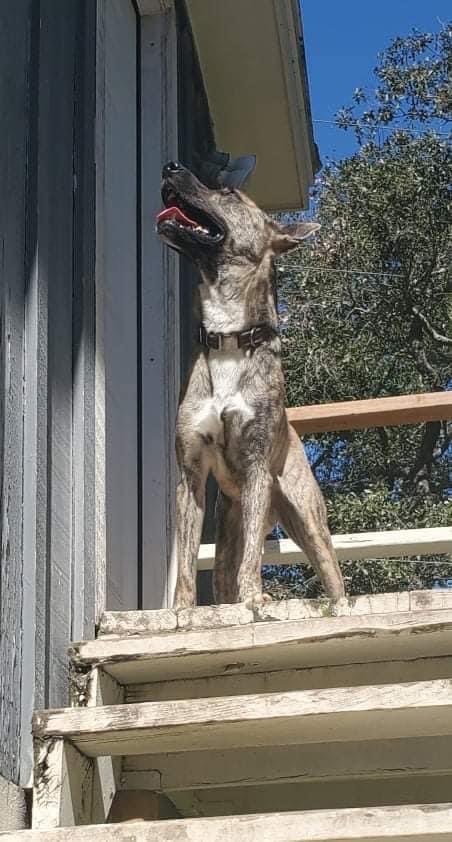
x,y
255,501
190,503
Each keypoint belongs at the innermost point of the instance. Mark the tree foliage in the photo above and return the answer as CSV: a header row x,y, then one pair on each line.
x,y
366,309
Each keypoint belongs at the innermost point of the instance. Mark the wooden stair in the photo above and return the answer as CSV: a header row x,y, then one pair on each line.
x,y
300,721
380,824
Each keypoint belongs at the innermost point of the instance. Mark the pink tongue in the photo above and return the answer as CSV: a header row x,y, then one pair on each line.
x,y
177,214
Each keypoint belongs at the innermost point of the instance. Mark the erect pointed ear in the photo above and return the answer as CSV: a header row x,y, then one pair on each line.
x,y
290,236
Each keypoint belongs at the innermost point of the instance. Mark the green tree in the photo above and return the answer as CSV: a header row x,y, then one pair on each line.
x,y
366,309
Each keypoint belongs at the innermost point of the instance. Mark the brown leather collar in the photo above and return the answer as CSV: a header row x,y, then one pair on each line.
x,y
245,339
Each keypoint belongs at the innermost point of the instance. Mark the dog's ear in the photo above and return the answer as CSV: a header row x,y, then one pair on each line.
x,y
290,236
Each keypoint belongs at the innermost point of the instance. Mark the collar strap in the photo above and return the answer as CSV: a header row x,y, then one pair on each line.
x,y
245,339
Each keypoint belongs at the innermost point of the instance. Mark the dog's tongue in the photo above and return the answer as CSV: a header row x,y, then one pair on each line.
x,y
177,214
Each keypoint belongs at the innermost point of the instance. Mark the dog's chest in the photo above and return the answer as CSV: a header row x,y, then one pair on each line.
x,y
226,371
221,314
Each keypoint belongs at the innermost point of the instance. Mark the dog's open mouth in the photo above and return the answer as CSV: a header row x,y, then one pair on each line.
x,y
178,216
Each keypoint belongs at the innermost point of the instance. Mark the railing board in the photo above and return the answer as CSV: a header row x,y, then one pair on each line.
x,y
373,412
360,545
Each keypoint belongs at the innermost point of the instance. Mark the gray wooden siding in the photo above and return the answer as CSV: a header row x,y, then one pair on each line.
x,y
14,55
120,214
47,351
196,142
89,320
159,312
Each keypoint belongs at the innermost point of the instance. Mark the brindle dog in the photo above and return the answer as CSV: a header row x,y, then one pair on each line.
x,y
231,418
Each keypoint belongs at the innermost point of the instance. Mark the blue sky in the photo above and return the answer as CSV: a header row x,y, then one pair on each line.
x,y
342,41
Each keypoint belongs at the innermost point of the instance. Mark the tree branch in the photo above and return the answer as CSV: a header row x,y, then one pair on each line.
x,y
438,337
420,473
423,364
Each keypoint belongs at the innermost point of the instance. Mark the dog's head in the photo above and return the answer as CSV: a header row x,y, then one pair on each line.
x,y
216,226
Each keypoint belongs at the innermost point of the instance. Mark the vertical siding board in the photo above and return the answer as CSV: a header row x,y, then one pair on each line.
x,y
29,692
55,205
47,355
84,338
160,310
100,531
14,47
120,303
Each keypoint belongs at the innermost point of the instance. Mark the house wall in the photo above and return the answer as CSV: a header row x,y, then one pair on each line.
x,y
89,317
91,94
14,57
47,590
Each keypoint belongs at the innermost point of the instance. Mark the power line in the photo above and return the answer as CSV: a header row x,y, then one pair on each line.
x,y
402,561
352,272
386,128
373,560
349,272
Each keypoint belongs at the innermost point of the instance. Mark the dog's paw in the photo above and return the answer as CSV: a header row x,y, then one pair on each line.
x,y
257,600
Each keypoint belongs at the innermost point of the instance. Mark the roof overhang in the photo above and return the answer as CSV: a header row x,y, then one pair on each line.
x,y
252,60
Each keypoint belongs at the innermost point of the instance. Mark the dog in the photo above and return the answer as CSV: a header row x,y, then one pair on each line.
x,y
231,418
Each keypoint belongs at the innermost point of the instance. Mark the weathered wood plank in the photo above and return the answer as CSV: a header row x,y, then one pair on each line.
x,y
236,681
339,714
385,544
14,104
413,823
313,795
104,690
375,412
245,767
133,623
63,785
262,647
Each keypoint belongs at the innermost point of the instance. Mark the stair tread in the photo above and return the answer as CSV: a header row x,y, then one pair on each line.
x,y
224,639
422,708
413,823
155,621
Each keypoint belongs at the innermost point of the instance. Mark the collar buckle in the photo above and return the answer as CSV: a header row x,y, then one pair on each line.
x,y
255,335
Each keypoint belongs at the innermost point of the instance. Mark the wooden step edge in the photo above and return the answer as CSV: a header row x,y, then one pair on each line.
x,y
165,620
266,647
288,633
413,823
422,708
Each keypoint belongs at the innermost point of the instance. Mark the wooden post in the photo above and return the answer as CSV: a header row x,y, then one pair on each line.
x,y
63,787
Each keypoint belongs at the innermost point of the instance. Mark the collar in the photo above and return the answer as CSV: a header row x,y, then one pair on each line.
x,y
245,339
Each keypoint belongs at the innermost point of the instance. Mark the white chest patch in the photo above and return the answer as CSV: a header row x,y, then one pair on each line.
x,y
225,370
220,315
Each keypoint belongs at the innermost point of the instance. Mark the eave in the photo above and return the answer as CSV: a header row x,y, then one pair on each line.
x,y
252,59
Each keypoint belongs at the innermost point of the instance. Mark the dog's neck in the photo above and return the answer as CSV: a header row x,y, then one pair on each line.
x,y
238,297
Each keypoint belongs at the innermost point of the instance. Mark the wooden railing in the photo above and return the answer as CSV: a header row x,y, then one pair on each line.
x,y
355,415
376,412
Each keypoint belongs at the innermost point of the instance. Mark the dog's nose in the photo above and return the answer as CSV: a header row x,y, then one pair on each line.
x,y
170,168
